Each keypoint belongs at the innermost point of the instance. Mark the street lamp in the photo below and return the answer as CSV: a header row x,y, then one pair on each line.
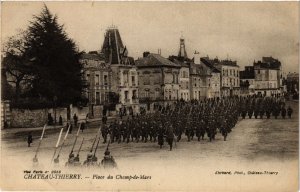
x,y
55,99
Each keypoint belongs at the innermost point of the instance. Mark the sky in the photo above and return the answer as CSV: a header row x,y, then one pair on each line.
x,y
241,31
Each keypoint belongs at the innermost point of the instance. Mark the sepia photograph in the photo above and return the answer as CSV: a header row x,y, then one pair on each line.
x,y
149,96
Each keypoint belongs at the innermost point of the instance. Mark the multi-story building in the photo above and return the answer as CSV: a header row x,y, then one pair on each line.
x,y
184,72
268,75
124,73
199,77
214,81
292,82
264,77
247,81
158,78
97,75
230,80
204,79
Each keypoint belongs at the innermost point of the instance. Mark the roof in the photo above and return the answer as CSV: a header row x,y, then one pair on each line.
x,y
155,60
199,69
268,63
183,62
209,64
92,56
112,46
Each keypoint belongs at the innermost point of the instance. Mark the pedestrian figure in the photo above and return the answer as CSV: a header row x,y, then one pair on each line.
x,y
29,139
60,121
170,137
82,126
104,119
75,118
160,137
290,112
71,128
104,132
50,119
283,112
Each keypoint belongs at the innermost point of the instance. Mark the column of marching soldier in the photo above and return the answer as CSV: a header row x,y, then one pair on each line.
x,y
169,123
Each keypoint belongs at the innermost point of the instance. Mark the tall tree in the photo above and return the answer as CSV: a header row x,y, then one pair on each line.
x,y
15,65
55,60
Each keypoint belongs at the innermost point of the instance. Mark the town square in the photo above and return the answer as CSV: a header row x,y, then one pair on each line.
x,y
150,96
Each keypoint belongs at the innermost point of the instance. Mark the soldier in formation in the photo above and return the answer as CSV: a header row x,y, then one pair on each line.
x,y
194,119
263,107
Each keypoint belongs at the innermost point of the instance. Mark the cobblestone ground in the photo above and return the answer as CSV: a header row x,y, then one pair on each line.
x,y
253,145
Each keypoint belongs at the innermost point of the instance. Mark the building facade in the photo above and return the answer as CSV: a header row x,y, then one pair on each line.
x,y
268,79
124,76
158,78
214,80
184,83
230,80
292,82
247,81
97,76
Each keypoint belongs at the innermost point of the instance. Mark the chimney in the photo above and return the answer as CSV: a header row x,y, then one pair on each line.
x,y
146,53
196,57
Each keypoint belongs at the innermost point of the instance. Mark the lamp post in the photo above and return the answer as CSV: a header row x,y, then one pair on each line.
x,y
54,99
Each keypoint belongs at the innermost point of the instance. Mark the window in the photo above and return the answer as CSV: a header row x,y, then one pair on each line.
x,y
134,96
146,92
175,78
97,98
105,80
157,93
133,80
97,79
126,95
146,80
258,71
125,77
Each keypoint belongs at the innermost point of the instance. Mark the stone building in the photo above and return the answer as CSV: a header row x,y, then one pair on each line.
x,y
214,80
268,77
158,79
97,75
184,73
198,80
124,73
230,80
247,81
292,82
264,77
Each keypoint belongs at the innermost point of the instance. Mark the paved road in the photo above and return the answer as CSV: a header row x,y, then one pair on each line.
x,y
265,143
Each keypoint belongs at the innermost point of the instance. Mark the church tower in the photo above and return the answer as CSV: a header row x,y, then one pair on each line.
x,y
182,51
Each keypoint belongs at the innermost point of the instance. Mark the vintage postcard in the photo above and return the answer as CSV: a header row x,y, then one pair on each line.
x,y
149,96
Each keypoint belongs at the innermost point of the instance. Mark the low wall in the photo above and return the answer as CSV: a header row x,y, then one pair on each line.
x,y
29,118
39,117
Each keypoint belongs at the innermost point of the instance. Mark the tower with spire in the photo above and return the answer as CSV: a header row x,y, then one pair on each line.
x,y
113,49
124,79
182,52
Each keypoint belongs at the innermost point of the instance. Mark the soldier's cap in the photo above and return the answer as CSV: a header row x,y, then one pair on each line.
x,y
107,152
